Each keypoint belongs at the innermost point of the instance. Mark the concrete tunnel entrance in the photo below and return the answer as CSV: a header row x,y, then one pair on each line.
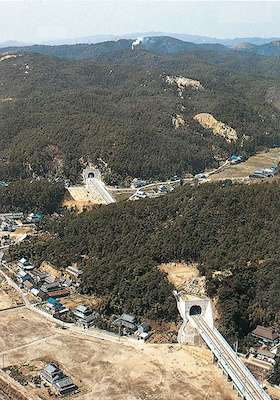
x,y
195,310
91,175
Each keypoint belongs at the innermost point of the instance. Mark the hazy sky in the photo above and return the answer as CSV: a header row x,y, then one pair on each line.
x,y
39,20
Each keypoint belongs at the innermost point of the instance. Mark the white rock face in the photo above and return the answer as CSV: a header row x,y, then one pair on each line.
x,y
178,121
182,82
217,127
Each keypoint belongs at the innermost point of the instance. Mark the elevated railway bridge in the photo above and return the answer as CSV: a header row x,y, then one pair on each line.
x,y
198,318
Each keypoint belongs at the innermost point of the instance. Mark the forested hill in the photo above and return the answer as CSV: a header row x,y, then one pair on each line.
x,y
130,120
220,226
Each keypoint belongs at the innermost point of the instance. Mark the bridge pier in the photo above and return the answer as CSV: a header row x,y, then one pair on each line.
x,y
214,358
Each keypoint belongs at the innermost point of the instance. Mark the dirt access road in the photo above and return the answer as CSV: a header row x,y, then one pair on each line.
x,y
106,370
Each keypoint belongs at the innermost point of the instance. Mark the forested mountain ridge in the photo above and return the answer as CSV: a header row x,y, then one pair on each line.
x,y
164,44
221,226
58,114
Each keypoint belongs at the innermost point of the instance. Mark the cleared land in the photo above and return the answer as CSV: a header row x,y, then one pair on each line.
x,y
179,273
79,197
106,370
9,297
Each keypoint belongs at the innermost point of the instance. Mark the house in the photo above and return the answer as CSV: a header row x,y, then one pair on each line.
x,y
74,271
82,311
85,316
125,321
60,382
54,305
51,287
265,334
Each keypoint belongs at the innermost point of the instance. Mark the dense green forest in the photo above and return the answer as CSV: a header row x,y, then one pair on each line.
x,y
57,115
221,226
31,196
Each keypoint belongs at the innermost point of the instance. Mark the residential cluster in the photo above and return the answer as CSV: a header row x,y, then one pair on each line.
x,y
9,222
44,286
48,290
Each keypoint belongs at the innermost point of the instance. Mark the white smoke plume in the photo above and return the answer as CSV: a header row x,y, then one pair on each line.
x,y
136,42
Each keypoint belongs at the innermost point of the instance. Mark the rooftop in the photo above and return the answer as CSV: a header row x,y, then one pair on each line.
x,y
265,333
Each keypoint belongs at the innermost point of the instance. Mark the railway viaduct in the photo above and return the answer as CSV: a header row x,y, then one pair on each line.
x,y
198,322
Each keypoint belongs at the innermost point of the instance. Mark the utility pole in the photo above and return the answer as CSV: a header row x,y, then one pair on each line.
x,y
236,345
3,361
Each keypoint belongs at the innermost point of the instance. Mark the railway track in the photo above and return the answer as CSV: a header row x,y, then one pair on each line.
x,y
246,383
96,185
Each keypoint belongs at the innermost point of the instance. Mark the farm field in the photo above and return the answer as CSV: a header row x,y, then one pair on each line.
x,y
259,161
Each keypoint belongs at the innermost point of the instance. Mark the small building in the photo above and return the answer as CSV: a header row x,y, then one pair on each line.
x,y
200,176
33,217
144,327
27,285
265,334
24,278
236,159
37,275
60,293
143,331
60,382
24,264
266,355
136,183
42,296
74,271
7,224
35,292
162,189
51,279
140,194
